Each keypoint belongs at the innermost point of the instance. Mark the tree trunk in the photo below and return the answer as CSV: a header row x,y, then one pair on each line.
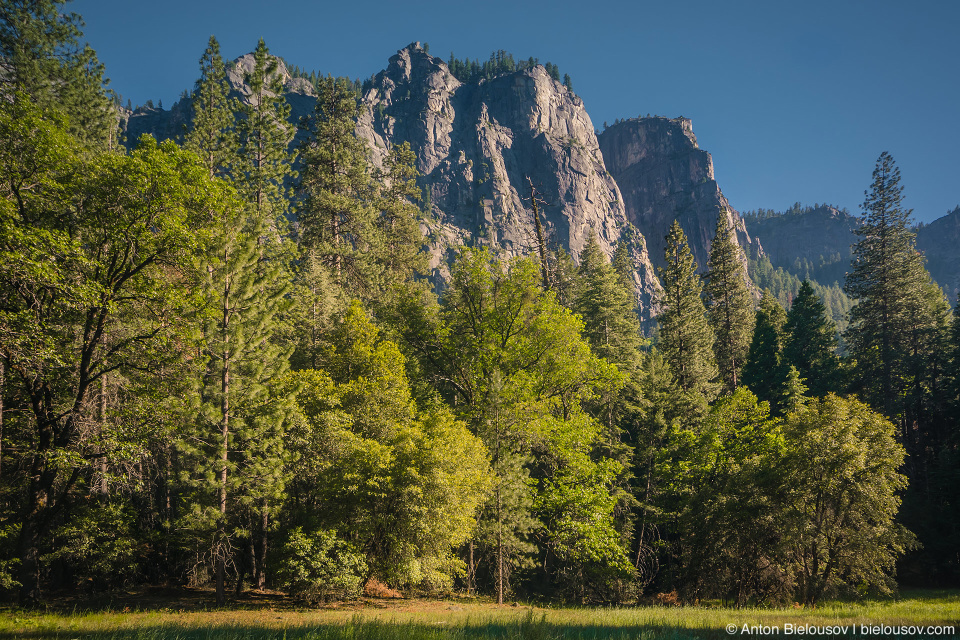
x,y
225,439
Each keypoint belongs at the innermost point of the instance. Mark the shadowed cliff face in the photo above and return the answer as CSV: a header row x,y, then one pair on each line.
x,y
664,176
940,243
477,146
811,243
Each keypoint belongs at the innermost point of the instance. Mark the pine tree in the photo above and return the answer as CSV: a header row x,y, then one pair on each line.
x,y
613,330
212,136
811,343
606,307
237,444
686,340
263,162
336,216
400,256
766,371
888,281
42,56
729,304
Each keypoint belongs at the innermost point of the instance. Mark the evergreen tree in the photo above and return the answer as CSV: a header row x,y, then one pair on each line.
x,y
729,304
766,370
236,450
613,330
686,339
336,215
811,343
399,256
893,310
212,136
606,307
263,162
42,56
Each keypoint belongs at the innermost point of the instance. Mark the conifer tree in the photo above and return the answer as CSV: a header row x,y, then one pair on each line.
x,y
42,56
766,370
686,339
264,132
894,310
613,330
336,215
606,307
811,343
729,304
399,256
213,136
236,448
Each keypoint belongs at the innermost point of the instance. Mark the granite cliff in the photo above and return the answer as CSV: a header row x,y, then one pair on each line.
x,y
478,145
940,243
812,242
664,175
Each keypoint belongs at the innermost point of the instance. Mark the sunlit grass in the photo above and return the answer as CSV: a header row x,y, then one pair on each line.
x,y
425,619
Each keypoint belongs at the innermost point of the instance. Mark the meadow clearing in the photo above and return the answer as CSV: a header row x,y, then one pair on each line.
x,y
134,616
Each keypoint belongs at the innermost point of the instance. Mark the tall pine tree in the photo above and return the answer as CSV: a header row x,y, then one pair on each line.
x,y
811,343
41,55
336,214
263,161
729,304
766,371
686,339
236,446
213,134
888,281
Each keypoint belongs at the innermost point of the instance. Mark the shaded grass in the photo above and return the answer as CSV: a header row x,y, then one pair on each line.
x,y
429,620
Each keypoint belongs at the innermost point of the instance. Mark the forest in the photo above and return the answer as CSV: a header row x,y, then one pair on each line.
x,y
222,365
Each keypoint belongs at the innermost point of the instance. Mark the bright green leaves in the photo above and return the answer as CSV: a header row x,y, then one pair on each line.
x,y
842,500
515,366
403,485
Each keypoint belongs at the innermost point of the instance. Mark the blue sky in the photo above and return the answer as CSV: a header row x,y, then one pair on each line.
x,y
794,100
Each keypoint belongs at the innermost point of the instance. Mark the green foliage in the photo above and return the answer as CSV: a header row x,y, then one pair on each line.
x,y
402,485
731,531
785,286
212,135
729,304
108,242
99,544
514,363
686,339
767,370
320,566
362,225
811,343
263,162
45,58
842,499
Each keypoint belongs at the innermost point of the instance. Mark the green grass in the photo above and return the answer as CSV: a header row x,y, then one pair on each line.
x,y
429,620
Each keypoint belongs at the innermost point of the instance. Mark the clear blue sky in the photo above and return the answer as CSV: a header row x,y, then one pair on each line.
x,y
795,100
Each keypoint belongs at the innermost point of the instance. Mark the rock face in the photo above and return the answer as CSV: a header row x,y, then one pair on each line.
x,y
940,243
477,147
810,242
173,124
664,176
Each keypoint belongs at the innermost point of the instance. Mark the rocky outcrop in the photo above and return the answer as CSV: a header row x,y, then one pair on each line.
x,y
665,176
172,124
479,146
940,243
810,242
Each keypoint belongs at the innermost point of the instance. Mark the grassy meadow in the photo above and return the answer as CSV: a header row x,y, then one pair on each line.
x,y
413,619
